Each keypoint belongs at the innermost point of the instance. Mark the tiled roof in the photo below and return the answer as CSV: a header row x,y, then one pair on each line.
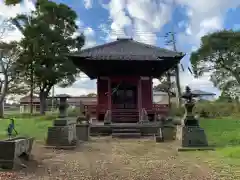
x,y
203,93
127,49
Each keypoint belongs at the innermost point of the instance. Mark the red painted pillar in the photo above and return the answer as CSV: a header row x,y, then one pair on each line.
x,y
139,95
98,94
109,95
151,90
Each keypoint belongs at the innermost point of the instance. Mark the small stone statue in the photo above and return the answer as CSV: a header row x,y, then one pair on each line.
x,y
11,128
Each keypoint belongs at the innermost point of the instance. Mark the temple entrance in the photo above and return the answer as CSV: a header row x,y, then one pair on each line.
x,y
124,96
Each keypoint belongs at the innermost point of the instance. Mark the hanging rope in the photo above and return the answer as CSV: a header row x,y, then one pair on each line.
x,y
114,90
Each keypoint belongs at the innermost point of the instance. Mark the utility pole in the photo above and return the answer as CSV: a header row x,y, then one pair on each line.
x,y
176,69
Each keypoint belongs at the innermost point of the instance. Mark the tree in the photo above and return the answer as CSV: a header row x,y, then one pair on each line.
x,y
10,82
13,2
219,55
49,36
224,97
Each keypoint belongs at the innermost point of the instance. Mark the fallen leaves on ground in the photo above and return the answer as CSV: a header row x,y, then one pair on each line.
x,y
115,159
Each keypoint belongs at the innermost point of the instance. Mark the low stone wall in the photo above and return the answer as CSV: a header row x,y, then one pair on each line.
x,y
11,150
149,130
169,133
100,130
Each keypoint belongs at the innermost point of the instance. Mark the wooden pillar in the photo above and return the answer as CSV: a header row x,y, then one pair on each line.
x,y
109,94
139,95
151,86
98,94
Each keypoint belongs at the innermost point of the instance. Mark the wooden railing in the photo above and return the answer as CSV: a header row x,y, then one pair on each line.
x,y
102,108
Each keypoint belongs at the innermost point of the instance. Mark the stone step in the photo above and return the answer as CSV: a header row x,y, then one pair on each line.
x,y
125,120
126,135
125,115
126,130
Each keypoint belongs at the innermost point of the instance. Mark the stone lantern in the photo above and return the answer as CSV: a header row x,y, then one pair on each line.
x,y
190,134
63,132
63,105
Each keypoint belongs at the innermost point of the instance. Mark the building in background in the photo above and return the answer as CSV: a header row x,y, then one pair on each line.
x,y
74,101
203,95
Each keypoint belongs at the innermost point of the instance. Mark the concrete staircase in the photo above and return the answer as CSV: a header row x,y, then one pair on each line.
x,y
125,116
126,132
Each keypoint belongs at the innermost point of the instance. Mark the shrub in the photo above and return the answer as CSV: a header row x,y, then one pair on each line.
x,y
211,109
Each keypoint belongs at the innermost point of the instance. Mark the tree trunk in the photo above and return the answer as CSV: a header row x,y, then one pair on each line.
x,y
1,109
43,101
178,92
169,87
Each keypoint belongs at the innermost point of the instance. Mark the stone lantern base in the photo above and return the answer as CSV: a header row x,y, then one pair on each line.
x,y
62,134
192,137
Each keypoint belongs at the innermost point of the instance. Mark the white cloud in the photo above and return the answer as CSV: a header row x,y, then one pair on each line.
x,y
82,86
90,37
148,18
87,4
139,19
205,16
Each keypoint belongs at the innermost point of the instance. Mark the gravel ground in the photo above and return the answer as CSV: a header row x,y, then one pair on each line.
x,y
114,159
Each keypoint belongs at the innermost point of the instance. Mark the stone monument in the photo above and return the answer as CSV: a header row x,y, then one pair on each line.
x,y
189,133
63,132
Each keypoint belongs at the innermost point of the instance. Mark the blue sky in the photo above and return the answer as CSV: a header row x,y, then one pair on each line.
x,y
147,21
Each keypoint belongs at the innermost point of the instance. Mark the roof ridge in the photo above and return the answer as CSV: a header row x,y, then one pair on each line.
x,y
152,46
99,46
130,40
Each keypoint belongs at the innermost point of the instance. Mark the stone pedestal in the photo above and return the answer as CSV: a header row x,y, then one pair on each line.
x,y
12,150
192,136
83,132
62,134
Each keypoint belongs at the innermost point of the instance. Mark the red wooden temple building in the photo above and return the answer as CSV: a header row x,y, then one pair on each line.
x,y
124,70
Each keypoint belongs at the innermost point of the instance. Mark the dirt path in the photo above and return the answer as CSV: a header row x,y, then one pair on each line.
x,y
114,159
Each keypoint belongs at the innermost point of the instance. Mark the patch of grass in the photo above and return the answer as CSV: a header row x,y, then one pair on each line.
x,y
34,127
225,135
222,132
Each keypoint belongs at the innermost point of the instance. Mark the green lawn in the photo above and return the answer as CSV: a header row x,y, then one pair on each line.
x,y
225,135
36,127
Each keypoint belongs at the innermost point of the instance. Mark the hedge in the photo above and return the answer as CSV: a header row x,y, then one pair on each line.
x,y
211,110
